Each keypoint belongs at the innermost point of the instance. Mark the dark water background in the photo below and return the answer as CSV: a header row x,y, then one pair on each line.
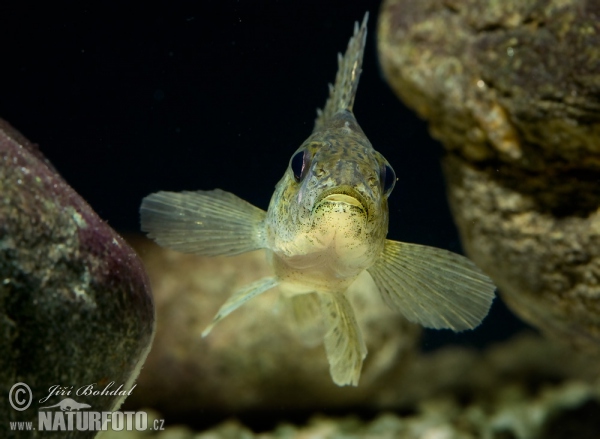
x,y
133,98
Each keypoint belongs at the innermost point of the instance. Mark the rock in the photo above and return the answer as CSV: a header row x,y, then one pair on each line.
x,y
522,388
76,308
253,359
511,90
526,361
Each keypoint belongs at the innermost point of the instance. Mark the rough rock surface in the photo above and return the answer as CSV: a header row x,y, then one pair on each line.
x,y
253,359
525,388
511,88
75,303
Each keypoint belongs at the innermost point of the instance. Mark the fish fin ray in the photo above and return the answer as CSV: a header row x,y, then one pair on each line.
x,y
343,339
342,93
240,297
433,287
305,317
208,223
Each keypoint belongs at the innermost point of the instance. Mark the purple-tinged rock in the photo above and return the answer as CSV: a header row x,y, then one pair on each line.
x,y
76,307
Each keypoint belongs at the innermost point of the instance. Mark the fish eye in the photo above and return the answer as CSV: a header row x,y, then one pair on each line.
x,y
388,179
298,163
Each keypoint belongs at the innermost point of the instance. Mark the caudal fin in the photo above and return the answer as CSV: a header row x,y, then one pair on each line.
x,y
341,94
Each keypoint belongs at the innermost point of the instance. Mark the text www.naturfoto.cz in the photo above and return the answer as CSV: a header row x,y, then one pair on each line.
x,y
21,426
89,421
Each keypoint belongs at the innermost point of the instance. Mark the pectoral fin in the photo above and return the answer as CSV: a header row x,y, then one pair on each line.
x,y
207,223
239,298
433,287
343,340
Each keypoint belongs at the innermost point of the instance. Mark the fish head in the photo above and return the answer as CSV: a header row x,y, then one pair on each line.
x,y
333,196
340,175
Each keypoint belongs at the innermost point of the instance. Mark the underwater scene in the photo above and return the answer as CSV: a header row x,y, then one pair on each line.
x,y
273,220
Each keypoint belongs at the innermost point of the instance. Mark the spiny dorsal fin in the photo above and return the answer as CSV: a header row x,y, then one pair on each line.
x,y
341,94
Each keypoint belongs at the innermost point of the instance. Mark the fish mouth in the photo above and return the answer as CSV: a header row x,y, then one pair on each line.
x,y
343,194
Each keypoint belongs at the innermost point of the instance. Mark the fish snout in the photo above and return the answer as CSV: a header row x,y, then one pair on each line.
x,y
346,195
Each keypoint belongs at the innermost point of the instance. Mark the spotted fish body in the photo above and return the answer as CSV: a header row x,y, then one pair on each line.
x,y
326,225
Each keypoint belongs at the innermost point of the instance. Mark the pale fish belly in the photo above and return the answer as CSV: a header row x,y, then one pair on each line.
x,y
330,255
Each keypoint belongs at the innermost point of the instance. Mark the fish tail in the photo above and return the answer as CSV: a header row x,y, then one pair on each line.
x,y
342,93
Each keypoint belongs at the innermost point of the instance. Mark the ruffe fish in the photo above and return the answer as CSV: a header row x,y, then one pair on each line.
x,y
325,226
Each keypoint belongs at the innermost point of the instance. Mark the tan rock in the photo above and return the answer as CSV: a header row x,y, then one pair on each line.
x,y
510,89
252,359
524,388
